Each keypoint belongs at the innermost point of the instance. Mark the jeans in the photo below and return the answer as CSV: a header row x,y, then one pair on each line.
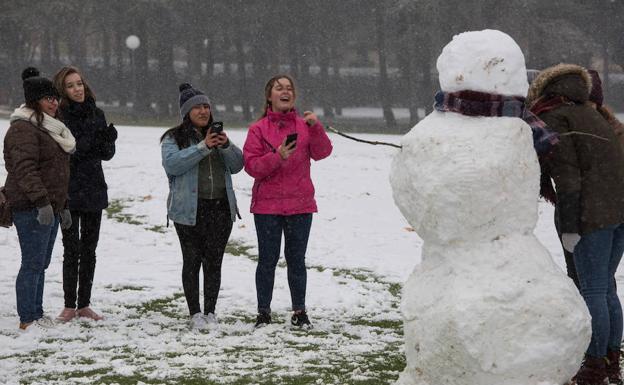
x,y
79,242
596,258
296,229
36,242
204,245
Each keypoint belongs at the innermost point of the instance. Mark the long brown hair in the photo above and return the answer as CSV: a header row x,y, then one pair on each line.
x,y
59,84
37,111
267,91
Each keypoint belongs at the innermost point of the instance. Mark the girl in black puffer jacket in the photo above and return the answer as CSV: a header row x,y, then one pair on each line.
x,y
95,142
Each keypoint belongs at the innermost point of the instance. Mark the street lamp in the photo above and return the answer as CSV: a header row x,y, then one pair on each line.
x,y
133,42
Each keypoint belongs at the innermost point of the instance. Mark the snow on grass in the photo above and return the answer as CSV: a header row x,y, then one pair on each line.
x,y
361,251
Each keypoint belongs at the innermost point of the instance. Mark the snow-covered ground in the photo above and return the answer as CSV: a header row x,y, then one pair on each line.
x,y
361,250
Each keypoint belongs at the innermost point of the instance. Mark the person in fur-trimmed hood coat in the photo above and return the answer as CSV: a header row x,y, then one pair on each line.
x,y
587,167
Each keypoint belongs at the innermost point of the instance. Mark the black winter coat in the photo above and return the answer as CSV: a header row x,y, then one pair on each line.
x,y
95,142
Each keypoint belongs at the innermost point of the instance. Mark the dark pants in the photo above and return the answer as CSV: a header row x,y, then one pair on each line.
x,y
296,229
80,242
204,245
36,242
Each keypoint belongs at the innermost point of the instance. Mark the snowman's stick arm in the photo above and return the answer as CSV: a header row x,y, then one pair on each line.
x,y
332,129
583,133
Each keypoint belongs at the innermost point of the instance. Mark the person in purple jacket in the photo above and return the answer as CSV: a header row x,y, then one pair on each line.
x,y
277,155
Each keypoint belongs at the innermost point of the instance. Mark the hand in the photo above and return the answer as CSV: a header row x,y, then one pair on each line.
x,y
110,133
286,150
66,219
211,140
45,215
310,118
222,139
569,241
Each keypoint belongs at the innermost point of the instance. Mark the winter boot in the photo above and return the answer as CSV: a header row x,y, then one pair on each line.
x,y
300,319
593,371
613,367
87,312
263,319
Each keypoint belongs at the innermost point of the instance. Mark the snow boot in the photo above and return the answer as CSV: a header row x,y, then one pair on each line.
x,y
593,371
67,314
613,367
87,312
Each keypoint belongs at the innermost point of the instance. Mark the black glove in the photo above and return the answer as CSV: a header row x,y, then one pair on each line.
x,y
109,133
66,219
45,215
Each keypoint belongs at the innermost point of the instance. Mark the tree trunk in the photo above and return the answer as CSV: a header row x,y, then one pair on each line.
x,y
383,70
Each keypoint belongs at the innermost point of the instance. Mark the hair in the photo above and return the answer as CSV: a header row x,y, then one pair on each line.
x,y
37,111
267,91
59,83
184,132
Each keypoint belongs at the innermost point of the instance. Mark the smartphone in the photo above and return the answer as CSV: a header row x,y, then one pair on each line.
x,y
216,127
291,138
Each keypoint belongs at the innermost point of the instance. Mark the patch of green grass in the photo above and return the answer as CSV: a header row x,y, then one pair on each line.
x,y
164,306
125,288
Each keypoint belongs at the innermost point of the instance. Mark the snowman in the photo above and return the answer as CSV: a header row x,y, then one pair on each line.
x,y
487,304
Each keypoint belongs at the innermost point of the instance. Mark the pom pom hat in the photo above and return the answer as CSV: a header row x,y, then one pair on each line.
x,y
36,86
190,97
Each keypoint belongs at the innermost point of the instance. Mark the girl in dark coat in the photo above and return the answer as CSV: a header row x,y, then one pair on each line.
x,y
95,142
587,167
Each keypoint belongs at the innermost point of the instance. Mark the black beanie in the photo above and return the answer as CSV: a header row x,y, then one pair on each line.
x,y
35,86
190,97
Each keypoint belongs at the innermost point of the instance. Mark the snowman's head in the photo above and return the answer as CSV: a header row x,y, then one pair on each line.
x,y
485,61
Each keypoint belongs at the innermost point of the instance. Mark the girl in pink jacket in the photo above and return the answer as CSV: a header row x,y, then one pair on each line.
x,y
277,155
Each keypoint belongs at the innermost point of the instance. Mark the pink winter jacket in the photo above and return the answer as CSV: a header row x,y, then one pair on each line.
x,y
283,187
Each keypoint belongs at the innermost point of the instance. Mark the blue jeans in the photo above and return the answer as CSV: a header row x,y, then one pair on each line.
x,y
296,229
36,242
596,258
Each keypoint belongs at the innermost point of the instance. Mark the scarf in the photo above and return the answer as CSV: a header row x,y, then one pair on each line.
x,y
473,103
55,128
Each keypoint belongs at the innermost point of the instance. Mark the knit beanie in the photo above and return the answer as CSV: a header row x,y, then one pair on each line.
x,y
35,86
190,97
596,95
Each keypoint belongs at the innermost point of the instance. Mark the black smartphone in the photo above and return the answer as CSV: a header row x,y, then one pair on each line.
x,y
291,138
216,127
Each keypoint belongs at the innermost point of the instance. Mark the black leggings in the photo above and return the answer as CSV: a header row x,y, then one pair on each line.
x,y
204,244
79,243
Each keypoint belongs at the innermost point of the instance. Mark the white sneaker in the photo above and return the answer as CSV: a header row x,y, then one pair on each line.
x,y
211,321
198,322
45,322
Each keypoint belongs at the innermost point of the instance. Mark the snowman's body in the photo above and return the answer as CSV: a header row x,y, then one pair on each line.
x,y
487,305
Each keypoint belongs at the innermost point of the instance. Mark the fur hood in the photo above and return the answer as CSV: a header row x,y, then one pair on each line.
x,y
546,76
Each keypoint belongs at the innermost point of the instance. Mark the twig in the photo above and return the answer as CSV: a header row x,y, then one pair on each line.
x,y
332,129
583,133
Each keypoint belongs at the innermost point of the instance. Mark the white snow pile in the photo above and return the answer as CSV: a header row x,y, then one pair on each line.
x,y
487,305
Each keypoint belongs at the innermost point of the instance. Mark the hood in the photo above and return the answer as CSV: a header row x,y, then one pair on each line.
x,y
569,80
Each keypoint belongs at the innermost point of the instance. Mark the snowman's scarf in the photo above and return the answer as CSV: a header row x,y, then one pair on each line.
x,y
473,103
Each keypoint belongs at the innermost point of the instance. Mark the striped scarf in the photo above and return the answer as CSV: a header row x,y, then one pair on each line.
x,y
473,103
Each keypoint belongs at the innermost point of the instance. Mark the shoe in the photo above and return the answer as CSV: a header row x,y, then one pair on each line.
x,y
593,371
300,319
613,367
87,312
263,319
45,322
198,322
25,325
67,314
211,320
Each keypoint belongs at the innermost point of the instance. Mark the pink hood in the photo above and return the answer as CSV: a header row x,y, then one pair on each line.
x,y
283,187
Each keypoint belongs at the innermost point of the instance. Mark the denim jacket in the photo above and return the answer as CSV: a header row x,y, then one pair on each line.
x,y
182,168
